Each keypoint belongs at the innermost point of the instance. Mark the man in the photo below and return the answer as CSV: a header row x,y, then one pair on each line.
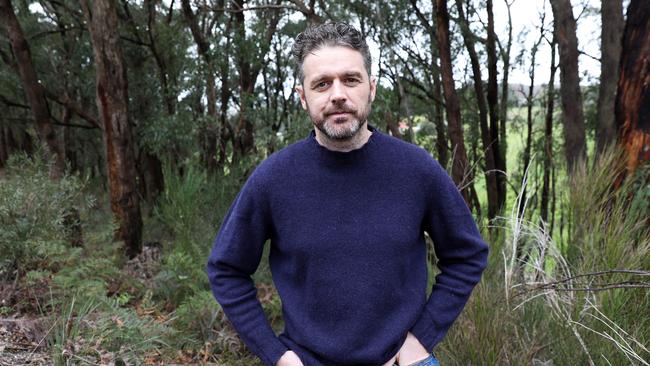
x,y
346,210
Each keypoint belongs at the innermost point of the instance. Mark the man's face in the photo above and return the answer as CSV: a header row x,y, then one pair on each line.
x,y
336,91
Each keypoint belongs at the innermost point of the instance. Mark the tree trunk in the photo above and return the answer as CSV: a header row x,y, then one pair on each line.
x,y
33,89
493,106
633,97
4,146
490,176
442,146
505,94
112,103
461,171
573,117
611,38
529,115
548,136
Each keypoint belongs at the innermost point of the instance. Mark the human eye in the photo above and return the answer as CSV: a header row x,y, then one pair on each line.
x,y
352,81
321,85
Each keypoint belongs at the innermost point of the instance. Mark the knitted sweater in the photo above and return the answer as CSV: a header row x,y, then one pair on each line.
x,y
347,252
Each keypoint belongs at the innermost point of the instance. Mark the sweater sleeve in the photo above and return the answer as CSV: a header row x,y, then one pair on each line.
x,y
234,258
462,257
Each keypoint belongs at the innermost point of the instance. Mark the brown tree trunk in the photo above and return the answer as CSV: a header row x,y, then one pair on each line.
x,y
442,146
505,93
529,116
493,106
573,117
490,176
548,136
33,89
460,172
633,97
611,38
4,146
112,103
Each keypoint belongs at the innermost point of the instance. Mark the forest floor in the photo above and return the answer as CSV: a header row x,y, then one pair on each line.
x,y
22,341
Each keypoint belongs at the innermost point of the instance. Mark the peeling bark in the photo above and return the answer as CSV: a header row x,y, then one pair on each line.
x,y
112,103
633,98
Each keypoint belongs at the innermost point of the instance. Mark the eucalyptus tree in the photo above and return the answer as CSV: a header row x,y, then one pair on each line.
x,y
461,171
34,91
611,40
572,108
113,105
633,96
488,144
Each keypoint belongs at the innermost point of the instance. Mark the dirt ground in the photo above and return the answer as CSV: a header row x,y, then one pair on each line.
x,y
22,341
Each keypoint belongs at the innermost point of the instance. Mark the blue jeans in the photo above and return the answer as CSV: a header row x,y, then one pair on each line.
x,y
429,361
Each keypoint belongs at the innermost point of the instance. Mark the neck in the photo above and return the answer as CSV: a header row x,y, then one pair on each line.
x,y
358,140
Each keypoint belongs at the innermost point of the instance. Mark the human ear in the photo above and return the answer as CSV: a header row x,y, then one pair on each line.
x,y
301,93
373,88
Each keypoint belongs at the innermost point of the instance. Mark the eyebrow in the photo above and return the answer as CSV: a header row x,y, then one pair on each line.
x,y
347,74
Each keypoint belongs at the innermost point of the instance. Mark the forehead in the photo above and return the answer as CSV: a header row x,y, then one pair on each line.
x,y
333,60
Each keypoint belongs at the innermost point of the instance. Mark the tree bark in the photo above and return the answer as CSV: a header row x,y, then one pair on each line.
x,y
486,139
460,172
611,41
112,103
33,89
548,136
529,115
633,97
493,106
573,117
505,94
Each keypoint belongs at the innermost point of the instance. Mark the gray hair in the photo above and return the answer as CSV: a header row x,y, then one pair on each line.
x,y
328,34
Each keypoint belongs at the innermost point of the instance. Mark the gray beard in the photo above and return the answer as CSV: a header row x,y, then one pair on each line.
x,y
338,135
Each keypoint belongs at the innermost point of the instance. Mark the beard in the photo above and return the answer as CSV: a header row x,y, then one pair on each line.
x,y
344,127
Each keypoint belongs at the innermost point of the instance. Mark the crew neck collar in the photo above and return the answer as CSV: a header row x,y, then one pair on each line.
x,y
347,156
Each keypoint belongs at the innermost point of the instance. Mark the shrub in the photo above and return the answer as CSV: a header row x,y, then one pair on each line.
x,y
38,217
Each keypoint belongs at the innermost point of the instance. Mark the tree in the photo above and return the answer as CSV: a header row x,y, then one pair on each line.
x,y
548,139
112,102
460,172
493,106
486,136
611,15
34,91
633,96
573,116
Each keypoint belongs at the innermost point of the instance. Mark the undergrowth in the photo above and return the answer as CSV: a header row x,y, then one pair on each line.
x,y
544,299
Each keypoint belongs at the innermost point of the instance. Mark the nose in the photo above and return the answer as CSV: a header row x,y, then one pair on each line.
x,y
338,95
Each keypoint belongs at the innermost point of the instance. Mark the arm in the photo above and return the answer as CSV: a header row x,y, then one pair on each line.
x,y
462,257
235,256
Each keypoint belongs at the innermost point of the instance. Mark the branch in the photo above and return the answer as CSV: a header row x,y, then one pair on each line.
x,y
56,123
252,8
423,19
588,55
11,103
79,111
557,285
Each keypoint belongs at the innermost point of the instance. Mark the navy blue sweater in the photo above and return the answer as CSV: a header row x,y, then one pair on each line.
x,y
348,253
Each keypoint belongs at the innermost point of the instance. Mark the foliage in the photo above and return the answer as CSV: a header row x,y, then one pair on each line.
x,y
101,331
36,217
568,300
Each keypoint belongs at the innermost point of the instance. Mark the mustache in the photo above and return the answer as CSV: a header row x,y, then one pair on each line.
x,y
340,110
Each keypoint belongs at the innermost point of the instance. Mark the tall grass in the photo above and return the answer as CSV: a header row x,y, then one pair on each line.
x,y
577,299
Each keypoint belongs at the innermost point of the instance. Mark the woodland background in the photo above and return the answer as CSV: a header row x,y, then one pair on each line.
x,y
127,128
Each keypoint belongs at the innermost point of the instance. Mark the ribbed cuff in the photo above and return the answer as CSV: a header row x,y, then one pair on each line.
x,y
273,352
425,330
